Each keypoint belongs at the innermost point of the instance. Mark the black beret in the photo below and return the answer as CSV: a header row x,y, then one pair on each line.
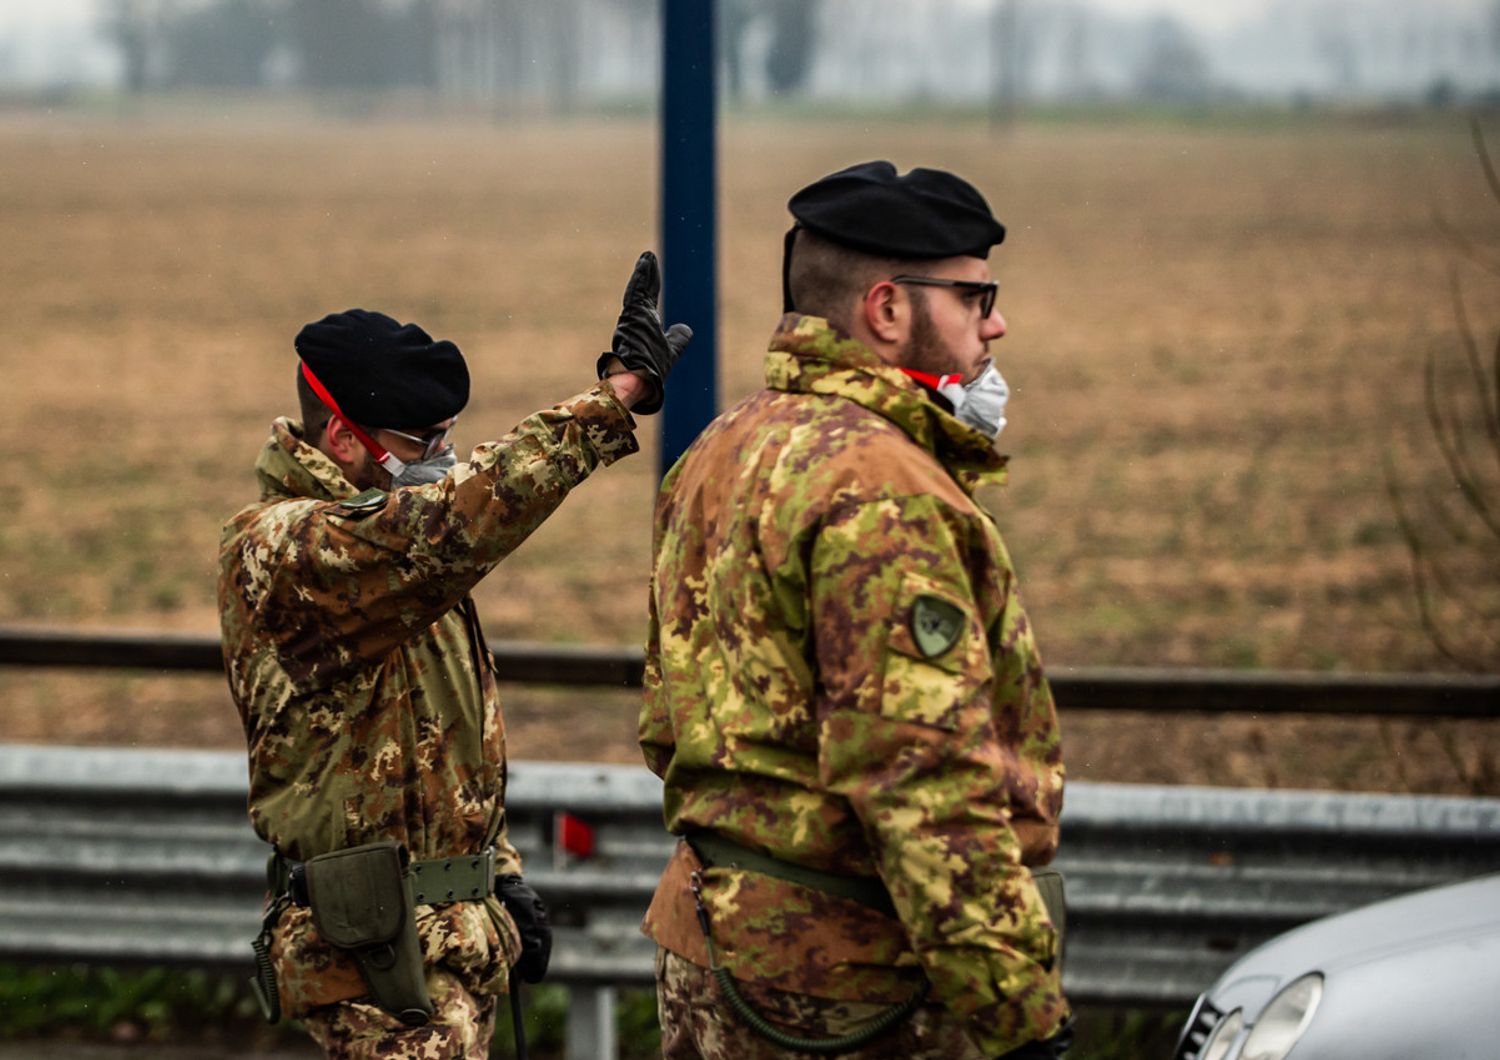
x,y
928,213
382,373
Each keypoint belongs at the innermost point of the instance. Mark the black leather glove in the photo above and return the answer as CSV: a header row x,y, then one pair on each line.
x,y
640,343
529,912
1051,1049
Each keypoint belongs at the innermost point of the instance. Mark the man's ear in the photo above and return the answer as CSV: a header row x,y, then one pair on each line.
x,y
885,313
340,443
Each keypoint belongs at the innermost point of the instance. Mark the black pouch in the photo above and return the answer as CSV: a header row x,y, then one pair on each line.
x,y
361,902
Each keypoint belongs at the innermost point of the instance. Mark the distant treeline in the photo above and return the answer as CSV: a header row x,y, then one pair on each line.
x,y
560,52
476,48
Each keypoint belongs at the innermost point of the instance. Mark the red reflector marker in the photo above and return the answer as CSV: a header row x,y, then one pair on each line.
x,y
574,835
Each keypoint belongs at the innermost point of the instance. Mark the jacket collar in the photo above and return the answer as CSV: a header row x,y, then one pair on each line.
x,y
810,356
288,468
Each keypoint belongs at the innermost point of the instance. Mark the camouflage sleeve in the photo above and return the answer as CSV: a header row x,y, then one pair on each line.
x,y
656,737
910,735
357,580
655,728
507,857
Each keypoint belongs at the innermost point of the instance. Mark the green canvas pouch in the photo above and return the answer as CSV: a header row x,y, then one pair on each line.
x,y
1049,884
361,902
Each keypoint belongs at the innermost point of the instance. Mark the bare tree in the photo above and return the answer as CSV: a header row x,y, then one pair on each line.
x,y
735,20
1076,52
1008,58
224,44
1335,44
1451,523
365,44
136,27
516,39
1175,67
794,42
564,32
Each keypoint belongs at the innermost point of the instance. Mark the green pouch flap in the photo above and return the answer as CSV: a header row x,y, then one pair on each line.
x,y
358,896
1049,884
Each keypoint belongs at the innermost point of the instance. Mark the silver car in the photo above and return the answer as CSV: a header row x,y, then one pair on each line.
x,y
1410,978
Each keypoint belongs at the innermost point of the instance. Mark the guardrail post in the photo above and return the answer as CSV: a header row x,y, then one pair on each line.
x,y
591,1023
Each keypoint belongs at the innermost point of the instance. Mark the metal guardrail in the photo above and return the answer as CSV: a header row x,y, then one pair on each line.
x,y
1077,688
145,856
114,856
517,661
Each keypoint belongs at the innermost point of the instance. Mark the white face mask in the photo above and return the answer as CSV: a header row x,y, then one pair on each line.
x,y
980,404
421,472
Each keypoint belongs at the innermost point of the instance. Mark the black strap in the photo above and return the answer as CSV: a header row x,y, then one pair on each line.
x,y
517,1015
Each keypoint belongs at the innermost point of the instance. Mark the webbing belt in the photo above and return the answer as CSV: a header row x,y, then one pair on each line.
x,y
715,851
466,878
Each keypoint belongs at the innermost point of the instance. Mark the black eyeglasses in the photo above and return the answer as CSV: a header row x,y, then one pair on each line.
x,y
985,291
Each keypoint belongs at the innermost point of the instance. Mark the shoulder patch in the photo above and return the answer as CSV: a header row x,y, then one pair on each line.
x,y
936,624
362,504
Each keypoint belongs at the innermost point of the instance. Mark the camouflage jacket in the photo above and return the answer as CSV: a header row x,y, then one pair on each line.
x,y
357,663
839,673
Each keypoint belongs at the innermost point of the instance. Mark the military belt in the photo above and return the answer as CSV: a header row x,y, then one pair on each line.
x,y
466,878
715,851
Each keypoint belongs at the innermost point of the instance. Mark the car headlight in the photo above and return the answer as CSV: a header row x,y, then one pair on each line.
x,y
1284,1020
1223,1036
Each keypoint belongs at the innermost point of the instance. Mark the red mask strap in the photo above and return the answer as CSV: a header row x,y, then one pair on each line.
x,y
382,456
935,382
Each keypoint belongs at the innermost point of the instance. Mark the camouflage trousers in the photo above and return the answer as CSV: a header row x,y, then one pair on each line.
x,y
461,1028
698,1024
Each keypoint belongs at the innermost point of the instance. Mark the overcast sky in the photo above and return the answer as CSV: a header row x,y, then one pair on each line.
x,y
44,12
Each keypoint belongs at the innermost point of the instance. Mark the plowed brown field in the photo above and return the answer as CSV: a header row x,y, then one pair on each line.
x,y
1217,336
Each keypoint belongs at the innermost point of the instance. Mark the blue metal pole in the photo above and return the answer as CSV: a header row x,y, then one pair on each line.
x,y
689,229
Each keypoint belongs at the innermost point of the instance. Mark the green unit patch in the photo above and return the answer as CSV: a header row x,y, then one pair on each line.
x,y
936,624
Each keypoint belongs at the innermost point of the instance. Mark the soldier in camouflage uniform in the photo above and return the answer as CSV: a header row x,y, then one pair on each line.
x,y
843,694
356,659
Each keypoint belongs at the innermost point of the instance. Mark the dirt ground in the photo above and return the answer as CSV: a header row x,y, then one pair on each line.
x,y
1217,346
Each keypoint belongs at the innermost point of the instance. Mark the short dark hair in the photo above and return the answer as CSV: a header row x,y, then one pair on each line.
x,y
825,277
315,414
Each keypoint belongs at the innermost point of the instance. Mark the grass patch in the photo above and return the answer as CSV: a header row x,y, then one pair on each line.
x,y
179,1007
174,1006
1125,1034
126,1005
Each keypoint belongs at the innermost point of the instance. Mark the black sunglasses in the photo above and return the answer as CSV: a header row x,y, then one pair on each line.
x,y
985,291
